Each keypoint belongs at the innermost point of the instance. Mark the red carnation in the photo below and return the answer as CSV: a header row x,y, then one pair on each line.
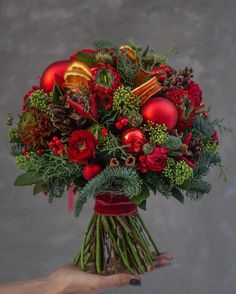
x,y
81,146
105,81
156,161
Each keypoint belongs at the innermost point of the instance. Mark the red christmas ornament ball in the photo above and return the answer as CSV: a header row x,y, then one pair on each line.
x,y
133,139
160,111
91,170
54,73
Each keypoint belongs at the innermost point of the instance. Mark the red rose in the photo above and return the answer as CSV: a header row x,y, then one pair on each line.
x,y
156,161
81,146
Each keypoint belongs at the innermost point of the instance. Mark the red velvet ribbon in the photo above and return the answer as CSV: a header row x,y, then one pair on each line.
x,y
109,205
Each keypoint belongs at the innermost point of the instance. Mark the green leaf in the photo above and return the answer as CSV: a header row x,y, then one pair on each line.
x,y
88,58
177,194
57,92
38,187
143,195
143,205
28,178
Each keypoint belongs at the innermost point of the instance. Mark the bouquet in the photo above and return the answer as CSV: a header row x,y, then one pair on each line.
x,y
115,123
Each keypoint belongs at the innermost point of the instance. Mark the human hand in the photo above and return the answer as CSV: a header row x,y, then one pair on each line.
x,y
70,280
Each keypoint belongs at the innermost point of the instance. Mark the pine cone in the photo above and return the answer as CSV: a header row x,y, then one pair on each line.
x,y
196,147
65,118
179,80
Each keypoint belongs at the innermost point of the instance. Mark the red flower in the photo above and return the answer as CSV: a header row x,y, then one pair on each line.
x,y
195,93
156,161
215,137
185,106
81,146
87,50
105,81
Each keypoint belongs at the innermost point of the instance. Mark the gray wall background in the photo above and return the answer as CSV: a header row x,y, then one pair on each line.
x,y
36,238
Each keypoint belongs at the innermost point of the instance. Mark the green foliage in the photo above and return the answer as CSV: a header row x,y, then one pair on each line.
x,y
202,128
157,182
28,178
111,146
142,196
157,134
177,172
219,124
103,44
13,135
16,148
172,143
177,194
54,173
88,58
56,94
196,188
127,68
122,179
40,100
125,102
28,163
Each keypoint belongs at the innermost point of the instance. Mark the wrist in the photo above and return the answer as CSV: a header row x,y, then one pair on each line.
x,y
56,286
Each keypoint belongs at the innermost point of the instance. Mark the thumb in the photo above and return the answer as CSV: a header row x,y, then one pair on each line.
x,y
120,280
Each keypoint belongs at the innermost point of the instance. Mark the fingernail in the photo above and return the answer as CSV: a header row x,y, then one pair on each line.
x,y
135,282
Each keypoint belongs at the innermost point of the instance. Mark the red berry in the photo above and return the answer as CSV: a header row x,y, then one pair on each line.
x,y
54,150
58,152
124,122
24,150
104,132
38,151
54,138
162,77
118,125
119,118
42,151
162,65
51,144
61,146
58,142
167,69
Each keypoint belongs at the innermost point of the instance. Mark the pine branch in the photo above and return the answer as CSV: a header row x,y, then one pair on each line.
x,y
125,179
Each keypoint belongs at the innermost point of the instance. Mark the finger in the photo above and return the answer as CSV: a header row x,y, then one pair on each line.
x,y
165,255
162,262
120,280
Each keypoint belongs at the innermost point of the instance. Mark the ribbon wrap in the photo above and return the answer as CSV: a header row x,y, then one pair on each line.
x,y
109,205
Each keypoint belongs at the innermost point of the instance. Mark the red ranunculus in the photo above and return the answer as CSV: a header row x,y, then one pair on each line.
x,y
195,93
156,161
81,146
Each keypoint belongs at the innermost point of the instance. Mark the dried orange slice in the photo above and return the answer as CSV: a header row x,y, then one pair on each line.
x,y
130,52
79,67
76,78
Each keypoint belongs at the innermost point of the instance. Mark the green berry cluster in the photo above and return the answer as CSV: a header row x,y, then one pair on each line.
x,y
13,135
27,162
177,172
125,102
39,100
211,147
157,134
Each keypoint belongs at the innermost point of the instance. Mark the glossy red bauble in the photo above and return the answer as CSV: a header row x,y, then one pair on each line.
x,y
133,139
160,111
91,170
54,73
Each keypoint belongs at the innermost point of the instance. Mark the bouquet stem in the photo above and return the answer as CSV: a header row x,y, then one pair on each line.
x,y
116,243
